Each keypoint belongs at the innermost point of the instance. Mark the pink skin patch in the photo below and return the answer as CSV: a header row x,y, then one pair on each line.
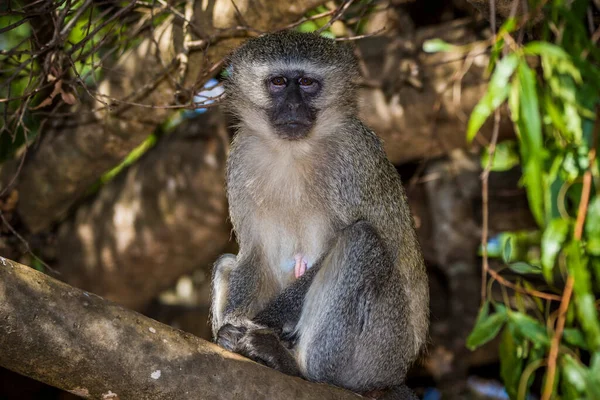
x,y
300,266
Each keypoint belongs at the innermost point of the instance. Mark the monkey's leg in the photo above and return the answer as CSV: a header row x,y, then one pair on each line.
x,y
354,330
220,287
238,293
269,346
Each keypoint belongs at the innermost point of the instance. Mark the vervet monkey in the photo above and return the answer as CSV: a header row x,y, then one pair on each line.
x,y
329,282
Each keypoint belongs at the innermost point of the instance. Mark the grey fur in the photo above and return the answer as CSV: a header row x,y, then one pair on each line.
x,y
359,316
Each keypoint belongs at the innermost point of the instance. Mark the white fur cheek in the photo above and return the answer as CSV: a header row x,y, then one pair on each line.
x,y
255,121
253,89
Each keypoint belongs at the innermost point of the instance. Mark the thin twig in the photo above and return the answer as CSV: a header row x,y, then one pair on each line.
x,y
485,179
339,13
531,292
26,244
485,204
357,37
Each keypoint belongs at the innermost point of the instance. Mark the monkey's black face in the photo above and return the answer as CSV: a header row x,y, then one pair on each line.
x,y
292,93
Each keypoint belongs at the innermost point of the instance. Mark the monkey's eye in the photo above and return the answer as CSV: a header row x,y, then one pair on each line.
x,y
278,81
304,81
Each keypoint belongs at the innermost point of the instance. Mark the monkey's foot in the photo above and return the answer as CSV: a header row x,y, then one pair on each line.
x,y
229,336
300,266
264,346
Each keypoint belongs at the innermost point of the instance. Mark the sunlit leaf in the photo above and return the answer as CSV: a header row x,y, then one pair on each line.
x,y
497,92
545,48
308,27
530,106
593,381
508,26
530,328
557,57
505,157
574,372
532,148
524,268
436,46
553,238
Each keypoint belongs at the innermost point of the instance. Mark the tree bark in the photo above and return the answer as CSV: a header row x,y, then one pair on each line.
x,y
77,150
163,217
79,342
423,101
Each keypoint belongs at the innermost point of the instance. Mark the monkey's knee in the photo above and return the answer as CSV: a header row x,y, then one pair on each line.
x,y
220,289
360,232
357,246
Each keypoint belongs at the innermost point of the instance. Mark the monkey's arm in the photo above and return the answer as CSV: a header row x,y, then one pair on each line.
x,y
240,290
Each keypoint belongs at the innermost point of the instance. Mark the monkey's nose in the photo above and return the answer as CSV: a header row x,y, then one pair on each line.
x,y
293,106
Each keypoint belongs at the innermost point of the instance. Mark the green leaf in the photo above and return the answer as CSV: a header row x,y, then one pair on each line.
x,y
546,49
524,268
530,328
511,365
514,103
592,226
575,337
505,156
584,298
556,116
308,27
436,46
595,267
553,238
530,129
529,106
593,382
496,94
574,372
508,26
507,247
487,326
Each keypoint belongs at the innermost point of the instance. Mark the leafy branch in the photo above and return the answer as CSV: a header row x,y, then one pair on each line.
x,y
551,87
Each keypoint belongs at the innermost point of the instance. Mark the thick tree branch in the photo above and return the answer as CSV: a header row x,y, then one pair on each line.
x,y
96,349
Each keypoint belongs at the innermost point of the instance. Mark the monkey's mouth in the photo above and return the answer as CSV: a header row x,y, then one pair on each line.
x,y
293,130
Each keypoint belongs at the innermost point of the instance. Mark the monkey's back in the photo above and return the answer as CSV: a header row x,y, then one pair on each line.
x,y
368,187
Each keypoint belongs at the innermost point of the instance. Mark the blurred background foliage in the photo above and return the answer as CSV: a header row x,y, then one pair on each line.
x,y
552,89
